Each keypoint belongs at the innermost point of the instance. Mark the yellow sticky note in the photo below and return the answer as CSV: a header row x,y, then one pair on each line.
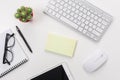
x,y
60,45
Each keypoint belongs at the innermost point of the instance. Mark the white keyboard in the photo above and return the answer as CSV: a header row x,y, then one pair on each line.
x,y
80,15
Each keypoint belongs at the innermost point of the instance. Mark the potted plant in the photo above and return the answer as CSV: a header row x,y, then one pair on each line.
x,y
24,14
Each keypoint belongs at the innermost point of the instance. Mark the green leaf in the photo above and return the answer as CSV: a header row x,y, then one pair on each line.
x,y
29,10
29,17
17,15
23,20
22,8
24,14
18,10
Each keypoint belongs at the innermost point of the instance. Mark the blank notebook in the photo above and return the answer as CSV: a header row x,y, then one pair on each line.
x,y
19,57
60,45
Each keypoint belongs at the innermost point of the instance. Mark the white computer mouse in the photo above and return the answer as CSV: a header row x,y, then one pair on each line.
x,y
95,61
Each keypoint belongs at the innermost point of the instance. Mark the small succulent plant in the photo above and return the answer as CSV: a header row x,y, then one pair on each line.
x,y
24,14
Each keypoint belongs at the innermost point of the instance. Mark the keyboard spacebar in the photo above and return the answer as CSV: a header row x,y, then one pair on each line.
x,y
69,22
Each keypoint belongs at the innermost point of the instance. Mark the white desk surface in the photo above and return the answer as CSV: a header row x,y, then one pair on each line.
x,y
36,34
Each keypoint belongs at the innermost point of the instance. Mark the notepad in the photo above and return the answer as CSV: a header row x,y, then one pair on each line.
x,y
19,56
60,45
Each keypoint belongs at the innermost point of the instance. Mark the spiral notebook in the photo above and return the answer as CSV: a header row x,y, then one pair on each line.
x,y
18,55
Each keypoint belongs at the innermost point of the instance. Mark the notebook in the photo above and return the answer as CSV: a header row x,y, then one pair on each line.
x,y
18,55
60,45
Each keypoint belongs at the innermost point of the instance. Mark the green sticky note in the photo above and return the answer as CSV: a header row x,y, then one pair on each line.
x,y
60,45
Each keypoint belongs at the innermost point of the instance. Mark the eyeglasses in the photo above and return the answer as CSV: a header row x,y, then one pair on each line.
x,y
9,44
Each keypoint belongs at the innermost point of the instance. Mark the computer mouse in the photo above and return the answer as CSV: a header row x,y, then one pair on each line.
x,y
95,61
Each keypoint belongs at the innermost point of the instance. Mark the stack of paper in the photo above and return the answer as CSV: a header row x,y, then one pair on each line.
x,y
60,45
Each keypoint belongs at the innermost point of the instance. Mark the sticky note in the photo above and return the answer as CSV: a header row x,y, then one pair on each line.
x,y
60,45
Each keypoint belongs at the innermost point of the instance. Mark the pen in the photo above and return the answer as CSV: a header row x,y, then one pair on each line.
x,y
20,33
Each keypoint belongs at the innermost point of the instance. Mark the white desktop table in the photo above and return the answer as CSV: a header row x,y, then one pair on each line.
x,y
36,34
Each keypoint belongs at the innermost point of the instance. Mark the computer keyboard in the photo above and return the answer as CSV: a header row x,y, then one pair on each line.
x,y
80,15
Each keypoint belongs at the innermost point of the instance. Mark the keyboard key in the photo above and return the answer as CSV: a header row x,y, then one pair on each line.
x,y
95,13
62,2
86,22
65,9
84,31
96,17
51,6
95,22
60,12
99,30
68,11
78,23
104,23
77,6
91,20
94,26
56,9
75,16
73,4
80,14
61,7
100,20
92,36
65,5
66,0
84,11
91,11
84,6
52,2
82,20
103,27
49,11
69,7
72,13
88,13
68,16
88,8
70,2
96,33
69,22
90,24
73,9
82,25
71,18
81,8
76,1
99,24
57,15
53,13
79,18
86,27
88,18
80,29
64,14
84,16
103,17
92,15
77,11
90,29
80,4
100,15
75,21
57,5
88,34
58,0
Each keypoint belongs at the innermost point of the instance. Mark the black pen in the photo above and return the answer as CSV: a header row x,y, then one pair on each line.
x,y
20,33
